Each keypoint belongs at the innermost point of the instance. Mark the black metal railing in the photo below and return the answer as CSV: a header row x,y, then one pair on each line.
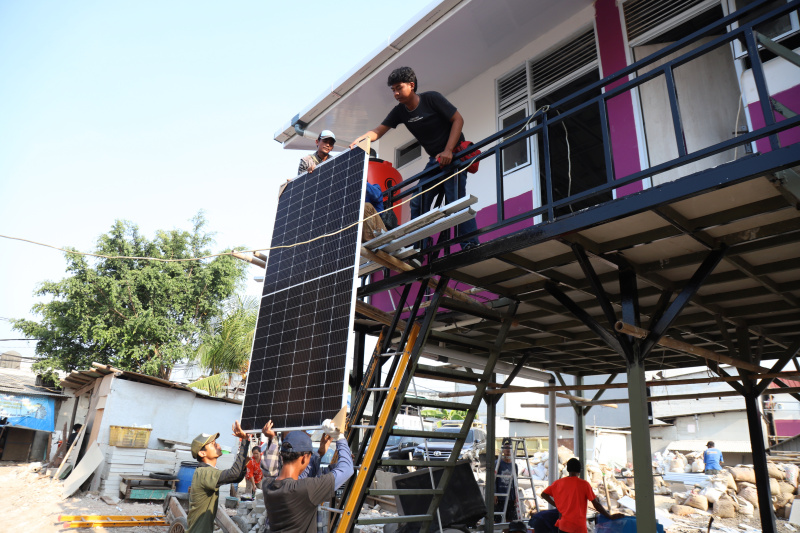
x,y
621,82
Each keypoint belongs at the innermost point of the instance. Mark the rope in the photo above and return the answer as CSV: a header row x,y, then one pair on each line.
x,y
210,256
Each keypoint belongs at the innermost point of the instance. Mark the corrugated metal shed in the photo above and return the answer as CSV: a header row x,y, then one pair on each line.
x,y
23,382
80,378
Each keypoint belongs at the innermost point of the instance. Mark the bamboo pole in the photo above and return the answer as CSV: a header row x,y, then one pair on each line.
x,y
252,260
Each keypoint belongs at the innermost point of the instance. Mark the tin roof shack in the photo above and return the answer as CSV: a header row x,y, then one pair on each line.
x,y
28,410
173,413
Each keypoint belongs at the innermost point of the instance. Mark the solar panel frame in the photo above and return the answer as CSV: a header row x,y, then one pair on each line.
x,y
308,299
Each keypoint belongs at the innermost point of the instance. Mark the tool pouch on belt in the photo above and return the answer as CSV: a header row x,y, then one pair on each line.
x,y
463,145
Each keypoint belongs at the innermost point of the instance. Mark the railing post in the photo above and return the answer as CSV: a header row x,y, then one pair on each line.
x,y
761,85
674,109
498,160
606,141
548,177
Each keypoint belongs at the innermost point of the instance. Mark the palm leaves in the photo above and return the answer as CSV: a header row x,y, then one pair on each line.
x,y
225,349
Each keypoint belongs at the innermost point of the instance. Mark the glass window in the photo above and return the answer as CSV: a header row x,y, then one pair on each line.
x,y
516,155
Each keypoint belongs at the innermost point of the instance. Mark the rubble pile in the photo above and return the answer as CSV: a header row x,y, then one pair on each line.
x,y
250,515
732,493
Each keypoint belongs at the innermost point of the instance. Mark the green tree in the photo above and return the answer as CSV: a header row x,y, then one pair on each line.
x,y
225,347
133,314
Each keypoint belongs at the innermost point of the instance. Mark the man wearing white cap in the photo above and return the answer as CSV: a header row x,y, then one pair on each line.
x,y
204,490
325,143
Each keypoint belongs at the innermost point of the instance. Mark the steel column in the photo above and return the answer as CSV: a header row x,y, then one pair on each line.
x,y
552,445
488,490
579,430
637,408
765,510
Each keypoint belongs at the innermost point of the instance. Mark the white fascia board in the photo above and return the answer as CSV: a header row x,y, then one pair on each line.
x,y
423,20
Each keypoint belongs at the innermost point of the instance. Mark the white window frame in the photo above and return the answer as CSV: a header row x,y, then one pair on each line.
x,y
674,22
729,6
508,112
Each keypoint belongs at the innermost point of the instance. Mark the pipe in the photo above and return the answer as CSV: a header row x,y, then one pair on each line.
x,y
552,445
445,355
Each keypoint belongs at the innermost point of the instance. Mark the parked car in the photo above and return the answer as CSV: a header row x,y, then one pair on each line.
x,y
440,449
400,448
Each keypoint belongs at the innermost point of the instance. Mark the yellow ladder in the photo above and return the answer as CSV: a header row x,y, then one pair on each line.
x,y
95,520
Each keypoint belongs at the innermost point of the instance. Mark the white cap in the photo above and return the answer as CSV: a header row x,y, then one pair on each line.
x,y
326,134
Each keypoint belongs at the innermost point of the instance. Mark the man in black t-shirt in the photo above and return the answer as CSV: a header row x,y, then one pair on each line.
x,y
437,125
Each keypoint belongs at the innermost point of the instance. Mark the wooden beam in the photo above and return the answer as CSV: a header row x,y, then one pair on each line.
x,y
370,311
667,342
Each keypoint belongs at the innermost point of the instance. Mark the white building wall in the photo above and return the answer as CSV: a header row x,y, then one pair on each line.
x,y
173,414
476,101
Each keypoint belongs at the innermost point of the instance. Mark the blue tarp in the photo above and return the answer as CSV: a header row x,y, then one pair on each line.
x,y
622,525
34,412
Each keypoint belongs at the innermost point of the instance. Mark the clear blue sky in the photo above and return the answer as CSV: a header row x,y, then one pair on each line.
x,y
150,111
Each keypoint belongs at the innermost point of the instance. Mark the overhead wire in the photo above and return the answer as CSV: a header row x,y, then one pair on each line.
x,y
543,108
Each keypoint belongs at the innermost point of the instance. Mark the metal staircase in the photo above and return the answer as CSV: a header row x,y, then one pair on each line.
x,y
367,436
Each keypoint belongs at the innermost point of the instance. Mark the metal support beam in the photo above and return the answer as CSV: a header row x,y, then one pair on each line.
x,y
594,281
488,491
599,393
583,316
683,298
751,402
552,445
637,393
790,354
579,431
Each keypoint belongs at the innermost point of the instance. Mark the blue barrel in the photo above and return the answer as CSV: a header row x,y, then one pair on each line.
x,y
185,475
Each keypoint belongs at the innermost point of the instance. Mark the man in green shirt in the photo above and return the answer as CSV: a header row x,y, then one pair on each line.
x,y
204,490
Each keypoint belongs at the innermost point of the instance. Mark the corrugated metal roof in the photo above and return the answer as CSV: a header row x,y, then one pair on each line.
x,y
725,446
81,378
14,381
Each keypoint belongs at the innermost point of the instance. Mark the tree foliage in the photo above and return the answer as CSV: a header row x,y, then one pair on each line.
x,y
225,348
135,315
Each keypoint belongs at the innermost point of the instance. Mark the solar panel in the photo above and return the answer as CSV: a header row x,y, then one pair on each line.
x,y
305,322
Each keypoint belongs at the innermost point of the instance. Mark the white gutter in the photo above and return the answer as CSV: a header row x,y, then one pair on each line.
x,y
395,43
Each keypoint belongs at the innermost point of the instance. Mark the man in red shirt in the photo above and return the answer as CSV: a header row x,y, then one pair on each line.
x,y
570,496
253,477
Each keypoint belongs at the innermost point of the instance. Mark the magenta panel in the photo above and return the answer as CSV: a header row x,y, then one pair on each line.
x,y
791,99
622,126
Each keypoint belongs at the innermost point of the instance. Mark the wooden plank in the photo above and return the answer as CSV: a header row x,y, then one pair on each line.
x,y
77,441
90,462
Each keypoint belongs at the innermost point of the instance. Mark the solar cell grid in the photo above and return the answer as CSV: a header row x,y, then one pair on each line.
x,y
303,333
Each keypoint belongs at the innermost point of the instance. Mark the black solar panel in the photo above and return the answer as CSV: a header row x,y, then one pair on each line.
x,y
303,335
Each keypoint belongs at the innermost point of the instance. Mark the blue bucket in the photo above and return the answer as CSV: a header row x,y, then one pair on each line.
x,y
185,475
622,525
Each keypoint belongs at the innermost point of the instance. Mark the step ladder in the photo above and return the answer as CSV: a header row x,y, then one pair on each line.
x,y
517,445
367,437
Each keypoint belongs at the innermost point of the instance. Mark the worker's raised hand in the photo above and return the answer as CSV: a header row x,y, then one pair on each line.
x,y
267,430
238,431
330,429
324,442
445,158
311,167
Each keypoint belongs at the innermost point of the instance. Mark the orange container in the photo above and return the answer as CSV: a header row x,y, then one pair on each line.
x,y
384,175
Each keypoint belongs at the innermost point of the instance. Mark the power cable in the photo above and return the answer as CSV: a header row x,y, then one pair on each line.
x,y
210,256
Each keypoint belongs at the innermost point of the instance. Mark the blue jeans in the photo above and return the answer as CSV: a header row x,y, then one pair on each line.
x,y
454,189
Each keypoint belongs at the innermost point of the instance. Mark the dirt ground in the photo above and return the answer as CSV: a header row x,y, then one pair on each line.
x,y
33,503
